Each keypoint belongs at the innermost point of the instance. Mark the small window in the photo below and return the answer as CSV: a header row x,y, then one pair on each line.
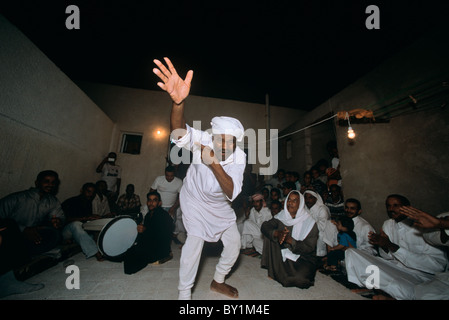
x,y
131,143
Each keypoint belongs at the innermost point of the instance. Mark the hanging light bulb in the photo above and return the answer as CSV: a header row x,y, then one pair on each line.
x,y
351,133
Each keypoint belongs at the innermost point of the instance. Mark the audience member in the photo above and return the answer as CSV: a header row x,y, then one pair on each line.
x,y
278,179
129,203
436,233
168,187
275,195
346,238
275,207
335,201
294,177
266,196
153,239
78,210
317,181
100,204
320,213
37,212
111,172
406,259
13,254
362,228
287,187
307,182
289,251
251,234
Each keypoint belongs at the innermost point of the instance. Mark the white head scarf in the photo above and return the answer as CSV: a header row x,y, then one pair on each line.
x,y
302,224
228,125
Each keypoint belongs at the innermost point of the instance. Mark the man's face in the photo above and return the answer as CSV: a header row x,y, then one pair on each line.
x,y
224,146
169,176
89,193
102,187
112,157
130,190
293,203
393,205
258,204
153,202
309,200
286,191
351,209
274,195
47,184
275,209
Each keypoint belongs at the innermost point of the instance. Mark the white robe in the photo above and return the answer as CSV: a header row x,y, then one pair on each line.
x,y
206,209
251,234
320,213
436,288
361,229
400,272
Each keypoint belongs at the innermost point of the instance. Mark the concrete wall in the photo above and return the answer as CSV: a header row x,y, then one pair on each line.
x,y
410,154
46,121
145,112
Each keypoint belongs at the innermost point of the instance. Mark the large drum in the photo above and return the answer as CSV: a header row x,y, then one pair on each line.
x,y
117,236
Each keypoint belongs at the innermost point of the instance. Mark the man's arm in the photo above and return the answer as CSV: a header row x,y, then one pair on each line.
x,y
178,90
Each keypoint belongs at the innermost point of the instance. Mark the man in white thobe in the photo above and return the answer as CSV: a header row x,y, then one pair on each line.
x,y
362,228
213,181
251,234
320,213
436,232
405,261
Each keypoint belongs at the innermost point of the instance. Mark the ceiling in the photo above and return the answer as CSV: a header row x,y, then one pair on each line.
x,y
300,53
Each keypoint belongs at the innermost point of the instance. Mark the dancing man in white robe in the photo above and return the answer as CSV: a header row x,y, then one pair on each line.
x,y
405,261
251,234
213,181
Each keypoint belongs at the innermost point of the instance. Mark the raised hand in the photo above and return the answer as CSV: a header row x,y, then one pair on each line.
x,y
421,218
172,83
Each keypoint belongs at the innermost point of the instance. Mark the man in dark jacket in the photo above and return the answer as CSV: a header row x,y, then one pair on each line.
x,y
153,239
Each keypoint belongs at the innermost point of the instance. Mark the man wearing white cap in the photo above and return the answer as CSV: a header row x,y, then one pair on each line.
x,y
212,182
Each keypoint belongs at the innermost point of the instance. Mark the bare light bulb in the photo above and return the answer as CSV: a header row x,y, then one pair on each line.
x,y
351,133
158,132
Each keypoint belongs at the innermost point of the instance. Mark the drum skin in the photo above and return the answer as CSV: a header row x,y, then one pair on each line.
x,y
116,237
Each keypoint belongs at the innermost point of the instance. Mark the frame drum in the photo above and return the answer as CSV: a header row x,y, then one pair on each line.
x,y
117,236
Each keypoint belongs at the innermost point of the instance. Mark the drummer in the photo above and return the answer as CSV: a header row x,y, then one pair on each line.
x,y
78,210
153,240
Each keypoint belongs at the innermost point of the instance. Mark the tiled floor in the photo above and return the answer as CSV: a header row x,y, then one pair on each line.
x,y
107,281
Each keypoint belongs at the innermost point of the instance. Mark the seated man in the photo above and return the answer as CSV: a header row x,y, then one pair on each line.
x,y
153,239
275,207
129,203
289,251
436,232
362,228
100,204
13,254
78,210
320,213
406,259
168,187
251,234
37,212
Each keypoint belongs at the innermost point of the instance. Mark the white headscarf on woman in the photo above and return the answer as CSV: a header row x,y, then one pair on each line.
x,y
302,224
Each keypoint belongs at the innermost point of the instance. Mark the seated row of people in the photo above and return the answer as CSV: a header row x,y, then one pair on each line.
x,y
410,265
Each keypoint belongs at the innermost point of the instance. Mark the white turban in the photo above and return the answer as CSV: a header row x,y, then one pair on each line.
x,y
227,125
